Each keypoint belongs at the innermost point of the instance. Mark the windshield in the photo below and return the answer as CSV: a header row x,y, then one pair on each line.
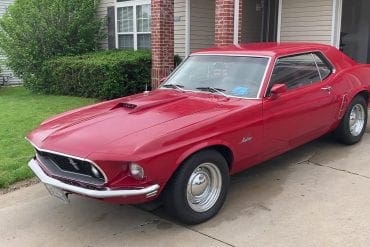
x,y
239,76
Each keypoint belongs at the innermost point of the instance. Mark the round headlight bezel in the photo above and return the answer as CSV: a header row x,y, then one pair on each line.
x,y
136,171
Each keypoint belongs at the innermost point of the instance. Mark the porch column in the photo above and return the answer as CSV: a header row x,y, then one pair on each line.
x,y
162,40
225,21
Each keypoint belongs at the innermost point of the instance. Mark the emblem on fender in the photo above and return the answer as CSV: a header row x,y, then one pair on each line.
x,y
246,139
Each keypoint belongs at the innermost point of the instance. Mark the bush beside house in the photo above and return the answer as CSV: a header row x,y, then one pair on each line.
x,y
34,31
44,39
103,75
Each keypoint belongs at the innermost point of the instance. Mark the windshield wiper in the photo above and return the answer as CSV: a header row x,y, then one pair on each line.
x,y
214,90
174,86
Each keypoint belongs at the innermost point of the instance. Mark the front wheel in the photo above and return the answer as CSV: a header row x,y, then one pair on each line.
x,y
198,189
353,124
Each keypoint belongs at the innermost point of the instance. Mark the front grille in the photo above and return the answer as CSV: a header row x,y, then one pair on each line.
x,y
79,184
71,168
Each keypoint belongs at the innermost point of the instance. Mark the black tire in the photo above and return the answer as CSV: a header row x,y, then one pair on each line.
x,y
343,132
176,197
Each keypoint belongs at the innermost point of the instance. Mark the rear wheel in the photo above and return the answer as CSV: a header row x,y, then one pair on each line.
x,y
353,124
198,189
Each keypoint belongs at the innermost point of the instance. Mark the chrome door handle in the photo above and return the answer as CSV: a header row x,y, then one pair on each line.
x,y
328,88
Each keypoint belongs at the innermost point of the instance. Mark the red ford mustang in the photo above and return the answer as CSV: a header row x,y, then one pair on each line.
x,y
222,111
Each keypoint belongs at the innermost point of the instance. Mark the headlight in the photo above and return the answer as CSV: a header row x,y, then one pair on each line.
x,y
136,171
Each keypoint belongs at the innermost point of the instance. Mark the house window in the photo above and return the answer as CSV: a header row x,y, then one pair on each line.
x,y
133,24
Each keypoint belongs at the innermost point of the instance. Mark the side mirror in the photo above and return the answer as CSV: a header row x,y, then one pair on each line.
x,y
278,89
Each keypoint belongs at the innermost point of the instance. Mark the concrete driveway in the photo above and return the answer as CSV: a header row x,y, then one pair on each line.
x,y
316,195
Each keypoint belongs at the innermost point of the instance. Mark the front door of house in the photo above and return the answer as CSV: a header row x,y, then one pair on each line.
x,y
355,30
270,12
260,19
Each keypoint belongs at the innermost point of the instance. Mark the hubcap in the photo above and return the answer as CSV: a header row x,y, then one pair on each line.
x,y
357,120
204,187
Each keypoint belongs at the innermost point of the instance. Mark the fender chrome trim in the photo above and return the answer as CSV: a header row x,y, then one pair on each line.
x,y
149,191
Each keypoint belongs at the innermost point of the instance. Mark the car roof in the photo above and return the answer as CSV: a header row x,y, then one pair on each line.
x,y
265,49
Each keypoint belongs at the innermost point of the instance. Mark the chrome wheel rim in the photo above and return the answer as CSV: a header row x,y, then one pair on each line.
x,y
204,187
357,119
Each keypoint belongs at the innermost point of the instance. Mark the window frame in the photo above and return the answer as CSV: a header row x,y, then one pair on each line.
x,y
328,64
133,4
318,53
263,81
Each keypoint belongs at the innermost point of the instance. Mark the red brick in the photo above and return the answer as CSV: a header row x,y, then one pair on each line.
x,y
224,22
162,39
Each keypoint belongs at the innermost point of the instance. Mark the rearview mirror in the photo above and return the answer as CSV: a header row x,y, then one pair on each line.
x,y
278,89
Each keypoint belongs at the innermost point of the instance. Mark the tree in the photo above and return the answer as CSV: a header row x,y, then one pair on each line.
x,y
34,31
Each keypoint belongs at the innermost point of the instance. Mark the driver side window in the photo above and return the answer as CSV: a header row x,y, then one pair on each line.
x,y
295,71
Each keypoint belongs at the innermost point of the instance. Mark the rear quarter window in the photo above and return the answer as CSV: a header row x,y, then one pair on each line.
x,y
323,65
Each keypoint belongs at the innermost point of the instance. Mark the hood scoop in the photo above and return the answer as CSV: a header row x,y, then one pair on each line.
x,y
127,105
140,105
124,105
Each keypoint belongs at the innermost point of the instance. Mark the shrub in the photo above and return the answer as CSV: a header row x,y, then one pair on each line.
x,y
33,31
177,60
103,75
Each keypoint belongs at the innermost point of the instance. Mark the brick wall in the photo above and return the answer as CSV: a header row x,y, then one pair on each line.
x,y
162,39
224,22
163,33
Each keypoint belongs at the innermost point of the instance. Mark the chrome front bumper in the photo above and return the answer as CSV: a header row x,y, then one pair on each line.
x,y
149,191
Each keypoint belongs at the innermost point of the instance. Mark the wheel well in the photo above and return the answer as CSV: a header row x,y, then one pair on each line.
x,y
222,149
364,94
226,152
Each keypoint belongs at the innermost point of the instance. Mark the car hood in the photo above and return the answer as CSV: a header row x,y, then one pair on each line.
x,y
94,128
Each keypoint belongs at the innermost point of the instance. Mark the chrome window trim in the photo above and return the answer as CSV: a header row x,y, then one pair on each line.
x,y
333,69
326,60
70,156
231,55
317,66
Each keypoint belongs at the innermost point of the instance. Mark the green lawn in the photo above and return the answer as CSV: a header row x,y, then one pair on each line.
x,y
20,112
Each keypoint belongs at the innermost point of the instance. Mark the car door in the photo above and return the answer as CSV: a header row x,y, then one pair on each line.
x,y
305,111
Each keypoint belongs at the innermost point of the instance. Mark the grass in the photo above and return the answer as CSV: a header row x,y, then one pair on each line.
x,y
20,112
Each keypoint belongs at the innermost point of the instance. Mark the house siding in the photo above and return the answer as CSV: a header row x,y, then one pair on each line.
x,y
202,24
4,70
4,5
303,20
180,27
102,13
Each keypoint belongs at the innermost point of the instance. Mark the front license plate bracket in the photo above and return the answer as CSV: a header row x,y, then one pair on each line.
x,y
55,192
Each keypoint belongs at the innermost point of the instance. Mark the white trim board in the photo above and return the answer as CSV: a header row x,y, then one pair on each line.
x,y
236,22
336,22
187,28
279,20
